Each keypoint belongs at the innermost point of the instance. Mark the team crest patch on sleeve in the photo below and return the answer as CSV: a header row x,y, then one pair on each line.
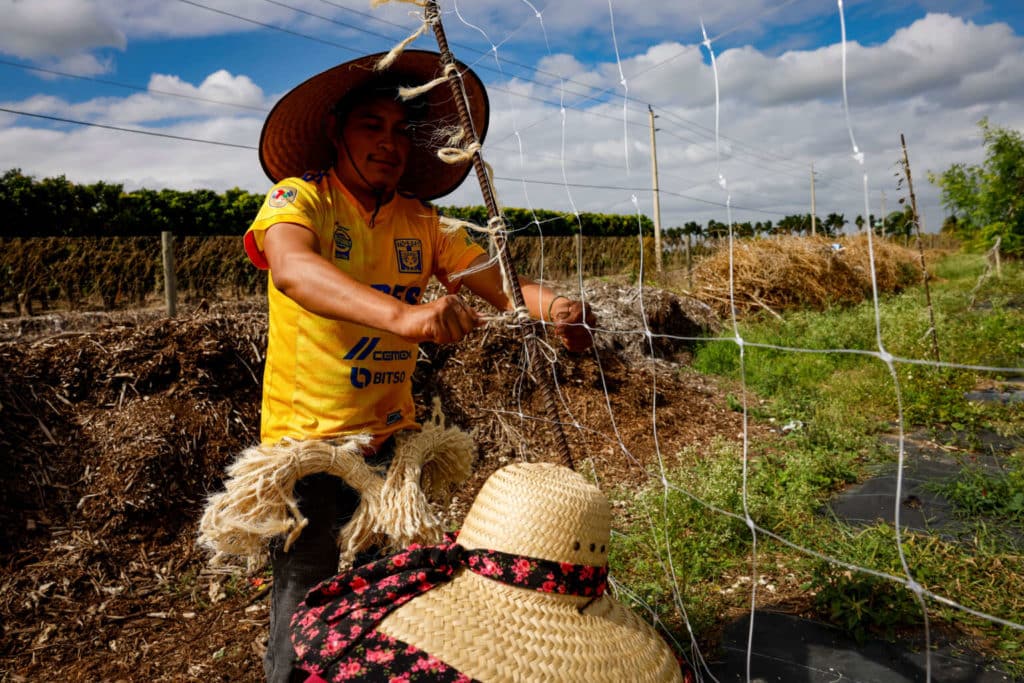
x,y
342,242
410,255
282,196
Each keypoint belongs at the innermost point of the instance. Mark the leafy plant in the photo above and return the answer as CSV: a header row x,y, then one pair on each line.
x,y
987,200
975,491
862,604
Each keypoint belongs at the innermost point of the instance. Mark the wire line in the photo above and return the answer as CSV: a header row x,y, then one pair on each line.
x,y
125,130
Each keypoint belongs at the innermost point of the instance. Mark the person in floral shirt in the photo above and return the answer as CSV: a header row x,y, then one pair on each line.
x,y
346,628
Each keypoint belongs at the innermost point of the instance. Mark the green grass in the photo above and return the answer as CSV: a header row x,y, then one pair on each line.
x,y
980,492
678,555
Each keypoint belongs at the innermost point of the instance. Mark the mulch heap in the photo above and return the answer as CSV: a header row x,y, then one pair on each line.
x,y
802,272
111,438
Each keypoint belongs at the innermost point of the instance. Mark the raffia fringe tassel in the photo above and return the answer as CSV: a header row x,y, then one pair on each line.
x,y
258,502
426,467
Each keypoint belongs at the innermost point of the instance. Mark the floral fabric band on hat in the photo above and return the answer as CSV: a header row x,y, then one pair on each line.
x,y
339,613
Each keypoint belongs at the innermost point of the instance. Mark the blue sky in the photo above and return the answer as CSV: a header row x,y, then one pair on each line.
x,y
927,68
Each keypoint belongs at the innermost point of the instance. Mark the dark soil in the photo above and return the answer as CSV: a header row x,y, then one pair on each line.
x,y
114,429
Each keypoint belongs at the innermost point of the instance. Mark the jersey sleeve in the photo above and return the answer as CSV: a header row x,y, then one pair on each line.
x,y
292,200
455,251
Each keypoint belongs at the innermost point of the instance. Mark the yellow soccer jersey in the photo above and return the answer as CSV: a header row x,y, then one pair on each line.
x,y
326,378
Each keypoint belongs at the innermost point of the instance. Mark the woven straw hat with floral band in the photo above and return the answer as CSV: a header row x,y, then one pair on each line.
x,y
517,595
295,136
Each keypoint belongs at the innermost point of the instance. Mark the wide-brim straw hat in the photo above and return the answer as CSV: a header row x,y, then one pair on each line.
x,y
496,632
295,137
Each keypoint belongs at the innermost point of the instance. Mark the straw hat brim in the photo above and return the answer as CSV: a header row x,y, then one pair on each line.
x,y
494,631
295,140
497,633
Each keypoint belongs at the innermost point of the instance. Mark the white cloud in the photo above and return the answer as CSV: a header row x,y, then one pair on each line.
x,y
34,29
939,56
81,64
220,86
65,34
168,98
92,154
779,114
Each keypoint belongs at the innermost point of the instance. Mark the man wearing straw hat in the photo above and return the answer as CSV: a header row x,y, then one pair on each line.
x,y
350,244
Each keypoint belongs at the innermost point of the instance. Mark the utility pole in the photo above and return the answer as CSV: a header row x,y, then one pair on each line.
x,y
657,203
170,278
814,219
882,234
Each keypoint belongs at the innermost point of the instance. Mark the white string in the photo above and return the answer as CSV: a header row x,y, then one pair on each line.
x,y
458,155
742,355
611,431
884,355
625,88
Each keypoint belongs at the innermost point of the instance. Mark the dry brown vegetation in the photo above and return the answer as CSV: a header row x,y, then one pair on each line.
x,y
802,272
113,436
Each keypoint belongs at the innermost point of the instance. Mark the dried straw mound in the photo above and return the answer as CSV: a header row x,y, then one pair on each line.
x,y
802,272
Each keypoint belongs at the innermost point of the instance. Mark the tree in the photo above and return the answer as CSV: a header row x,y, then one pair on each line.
x,y
793,224
23,204
744,230
900,223
834,224
988,200
692,228
717,229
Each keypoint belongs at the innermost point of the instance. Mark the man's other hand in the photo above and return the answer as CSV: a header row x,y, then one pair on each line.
x,y
573,322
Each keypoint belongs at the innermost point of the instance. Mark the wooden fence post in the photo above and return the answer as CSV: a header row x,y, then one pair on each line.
x,y
577,245
170,279
995,256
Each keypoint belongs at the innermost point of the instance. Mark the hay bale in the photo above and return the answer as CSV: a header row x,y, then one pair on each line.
x,y
801,272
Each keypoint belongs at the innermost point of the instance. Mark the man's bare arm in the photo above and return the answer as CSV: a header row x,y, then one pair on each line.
x,y
306,277
571,321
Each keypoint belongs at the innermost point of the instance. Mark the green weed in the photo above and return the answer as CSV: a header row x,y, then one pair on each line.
x,y
980,492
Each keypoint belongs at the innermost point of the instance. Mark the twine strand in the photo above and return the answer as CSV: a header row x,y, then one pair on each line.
x,y
387,60
407,93
458,155
259,504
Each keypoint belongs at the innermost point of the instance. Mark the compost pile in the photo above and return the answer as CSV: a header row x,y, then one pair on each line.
x,y
113,430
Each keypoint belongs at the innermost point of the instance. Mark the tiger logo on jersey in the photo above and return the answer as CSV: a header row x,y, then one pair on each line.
x,y
410,255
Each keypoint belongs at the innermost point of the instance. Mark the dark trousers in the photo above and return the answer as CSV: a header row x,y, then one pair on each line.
x,y
328,503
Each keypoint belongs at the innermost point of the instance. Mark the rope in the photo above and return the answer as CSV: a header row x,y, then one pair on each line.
x,y
387,60
450,225
396,508
458,155
412,93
